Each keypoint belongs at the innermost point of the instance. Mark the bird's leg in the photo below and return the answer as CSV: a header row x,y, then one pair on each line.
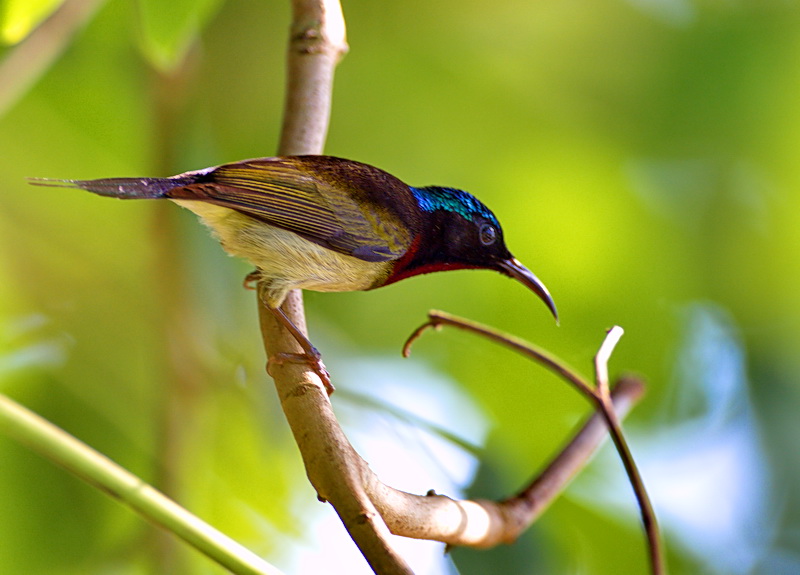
x,y
312,356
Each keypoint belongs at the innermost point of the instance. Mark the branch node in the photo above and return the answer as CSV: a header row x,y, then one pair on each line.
x,y
365,517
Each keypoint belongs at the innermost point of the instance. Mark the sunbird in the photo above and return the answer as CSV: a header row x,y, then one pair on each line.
x,y
329,224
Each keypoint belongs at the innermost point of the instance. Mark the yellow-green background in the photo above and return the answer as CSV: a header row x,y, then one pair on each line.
x,y
641,155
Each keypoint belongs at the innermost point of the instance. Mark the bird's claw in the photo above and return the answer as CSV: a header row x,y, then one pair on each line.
x,y
313,360
251,280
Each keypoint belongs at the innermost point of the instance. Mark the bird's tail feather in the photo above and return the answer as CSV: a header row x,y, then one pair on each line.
x,y
125,188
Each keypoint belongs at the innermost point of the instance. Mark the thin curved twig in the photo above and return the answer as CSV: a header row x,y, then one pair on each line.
x,y
436,319
599,395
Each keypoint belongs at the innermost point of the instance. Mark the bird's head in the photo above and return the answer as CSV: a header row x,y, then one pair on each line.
x,y
458,231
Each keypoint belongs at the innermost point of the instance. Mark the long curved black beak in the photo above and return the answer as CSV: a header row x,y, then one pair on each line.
x,y
519,272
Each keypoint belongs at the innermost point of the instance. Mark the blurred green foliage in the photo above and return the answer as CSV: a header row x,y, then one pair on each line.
x,y
19,17
642,157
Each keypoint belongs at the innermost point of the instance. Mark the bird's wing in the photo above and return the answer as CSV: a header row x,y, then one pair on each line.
x,y
280,192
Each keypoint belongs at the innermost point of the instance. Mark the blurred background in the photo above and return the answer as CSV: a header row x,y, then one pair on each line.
x,y
642,157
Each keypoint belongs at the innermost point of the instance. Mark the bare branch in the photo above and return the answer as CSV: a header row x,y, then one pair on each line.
x,y
598,395
317,42
649,521
484,523
577,453
365,505
436,319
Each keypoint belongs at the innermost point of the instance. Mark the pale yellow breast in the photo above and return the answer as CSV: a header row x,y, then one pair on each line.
x,y
286,260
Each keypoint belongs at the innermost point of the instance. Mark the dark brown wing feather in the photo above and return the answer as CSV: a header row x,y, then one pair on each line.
x,y
346,206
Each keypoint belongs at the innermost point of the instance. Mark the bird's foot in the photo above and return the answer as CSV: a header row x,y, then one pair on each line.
x,y
313,359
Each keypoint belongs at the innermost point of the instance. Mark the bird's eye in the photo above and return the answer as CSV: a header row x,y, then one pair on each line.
x,y
488,234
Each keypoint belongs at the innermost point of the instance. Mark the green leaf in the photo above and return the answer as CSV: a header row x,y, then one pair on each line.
x,y
169,28
19,17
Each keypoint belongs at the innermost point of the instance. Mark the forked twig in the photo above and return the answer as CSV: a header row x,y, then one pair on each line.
x,y
599,395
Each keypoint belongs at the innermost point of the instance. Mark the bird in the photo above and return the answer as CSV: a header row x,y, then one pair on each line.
x,y
329,224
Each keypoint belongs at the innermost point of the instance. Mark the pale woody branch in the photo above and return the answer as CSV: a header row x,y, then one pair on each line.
x,y
368,508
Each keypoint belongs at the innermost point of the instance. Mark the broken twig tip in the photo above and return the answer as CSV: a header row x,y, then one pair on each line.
x,y
414,337
613,336
435,320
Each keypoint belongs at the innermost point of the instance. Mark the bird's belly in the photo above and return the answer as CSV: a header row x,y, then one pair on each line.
x,y
287,261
